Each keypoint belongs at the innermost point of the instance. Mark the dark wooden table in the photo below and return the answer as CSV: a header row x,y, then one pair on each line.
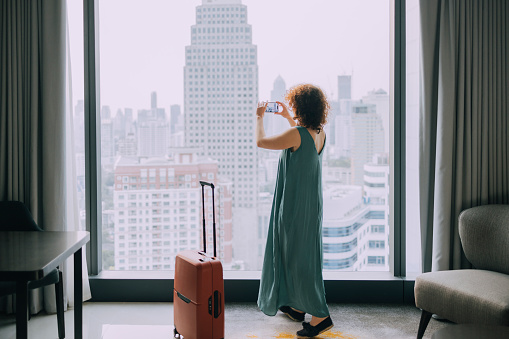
x,y
27,256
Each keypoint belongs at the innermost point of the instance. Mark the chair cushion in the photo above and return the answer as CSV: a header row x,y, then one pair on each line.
x,y
465,296
484,233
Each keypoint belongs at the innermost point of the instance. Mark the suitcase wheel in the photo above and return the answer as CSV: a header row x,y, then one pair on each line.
x,y
176,334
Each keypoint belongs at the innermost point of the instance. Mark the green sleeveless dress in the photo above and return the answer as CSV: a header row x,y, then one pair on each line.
x,y
293,262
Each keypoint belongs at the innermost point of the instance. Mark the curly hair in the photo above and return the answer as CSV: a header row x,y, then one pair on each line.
x,y
309,104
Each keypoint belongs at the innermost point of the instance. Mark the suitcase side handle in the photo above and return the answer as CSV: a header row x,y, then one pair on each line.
x,y
215,304
203,184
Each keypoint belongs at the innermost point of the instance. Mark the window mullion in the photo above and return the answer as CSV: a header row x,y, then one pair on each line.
x,y
92,137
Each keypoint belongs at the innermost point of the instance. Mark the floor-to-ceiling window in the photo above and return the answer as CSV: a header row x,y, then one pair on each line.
x,y
178,85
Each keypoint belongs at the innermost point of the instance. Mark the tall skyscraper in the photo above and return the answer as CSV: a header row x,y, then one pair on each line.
x,y
380,99
343,118
129,121
153,131
276,124
119,124
344,87
220,97
367,137
278,90
174,119
153,100
221,93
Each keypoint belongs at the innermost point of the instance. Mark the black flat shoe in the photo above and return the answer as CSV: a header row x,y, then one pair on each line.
x,y
292,314
312,331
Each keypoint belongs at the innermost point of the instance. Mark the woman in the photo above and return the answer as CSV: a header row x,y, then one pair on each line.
x,y
292,268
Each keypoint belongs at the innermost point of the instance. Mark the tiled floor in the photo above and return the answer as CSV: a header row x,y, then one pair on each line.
x,y
155,321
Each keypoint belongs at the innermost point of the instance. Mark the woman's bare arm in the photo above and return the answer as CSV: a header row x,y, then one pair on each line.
x,y
288,139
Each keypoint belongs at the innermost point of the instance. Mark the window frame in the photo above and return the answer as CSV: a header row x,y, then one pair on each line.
x,y
392,286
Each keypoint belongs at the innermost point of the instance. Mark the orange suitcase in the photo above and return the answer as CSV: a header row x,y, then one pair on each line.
x,y
198,294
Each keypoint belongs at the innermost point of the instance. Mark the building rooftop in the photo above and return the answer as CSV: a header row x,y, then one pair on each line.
x,y
221,2
170,159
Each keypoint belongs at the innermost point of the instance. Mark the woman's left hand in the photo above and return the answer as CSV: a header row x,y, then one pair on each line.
x,y
260,110
284,113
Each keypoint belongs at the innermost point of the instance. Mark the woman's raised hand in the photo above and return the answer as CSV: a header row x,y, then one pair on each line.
x,y
285,113
260,110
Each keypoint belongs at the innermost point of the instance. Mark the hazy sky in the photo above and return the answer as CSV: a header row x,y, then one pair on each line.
x,y
142,45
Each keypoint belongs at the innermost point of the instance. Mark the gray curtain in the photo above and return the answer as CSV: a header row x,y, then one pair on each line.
x,y
464,108
33,114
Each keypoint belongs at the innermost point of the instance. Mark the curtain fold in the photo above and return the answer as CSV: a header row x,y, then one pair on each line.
x,y
34,156
464,150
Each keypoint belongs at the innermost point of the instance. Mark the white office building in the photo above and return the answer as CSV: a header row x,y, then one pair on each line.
x,y
367,138
220,97
221,93
380,99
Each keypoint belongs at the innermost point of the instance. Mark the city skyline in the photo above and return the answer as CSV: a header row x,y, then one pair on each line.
x,y
140,54
221,88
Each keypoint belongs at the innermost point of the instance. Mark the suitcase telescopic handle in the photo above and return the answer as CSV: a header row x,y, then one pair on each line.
x,y
203,184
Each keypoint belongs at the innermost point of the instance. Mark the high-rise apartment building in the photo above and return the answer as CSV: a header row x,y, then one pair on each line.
x,y
343,213
158,212
221,93
375,254
355,231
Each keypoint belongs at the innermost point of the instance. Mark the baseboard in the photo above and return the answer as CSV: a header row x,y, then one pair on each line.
x,y
132,289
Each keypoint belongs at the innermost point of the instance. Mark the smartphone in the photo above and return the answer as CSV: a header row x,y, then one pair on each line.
x,y
272,107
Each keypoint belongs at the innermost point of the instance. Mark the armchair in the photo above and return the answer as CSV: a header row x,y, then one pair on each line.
x,y
479,295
